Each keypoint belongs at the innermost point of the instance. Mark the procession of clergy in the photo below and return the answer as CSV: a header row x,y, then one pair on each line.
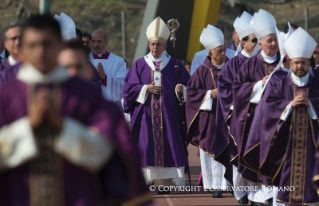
x,y
64,139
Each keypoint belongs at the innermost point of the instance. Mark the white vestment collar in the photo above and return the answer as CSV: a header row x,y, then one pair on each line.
x,y
12,62
243,52
268,59
99,55
300,81
29,74
220,66
164,59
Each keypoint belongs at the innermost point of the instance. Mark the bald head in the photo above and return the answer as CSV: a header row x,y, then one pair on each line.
x,y
1,41
99,41
100,33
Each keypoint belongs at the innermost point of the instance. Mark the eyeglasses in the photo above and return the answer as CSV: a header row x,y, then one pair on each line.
x,y
254,40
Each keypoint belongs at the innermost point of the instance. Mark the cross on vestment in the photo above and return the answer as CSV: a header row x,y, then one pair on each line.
x,y
156,106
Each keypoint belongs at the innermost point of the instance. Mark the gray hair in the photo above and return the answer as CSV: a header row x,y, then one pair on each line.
x,y
10,26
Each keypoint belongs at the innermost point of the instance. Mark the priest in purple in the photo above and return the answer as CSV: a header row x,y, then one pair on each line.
x,y
202,92
60,142
248,86
226,147
150,97
254,147
291,126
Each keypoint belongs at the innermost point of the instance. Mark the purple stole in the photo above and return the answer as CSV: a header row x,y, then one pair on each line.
x,y
299,148
157,123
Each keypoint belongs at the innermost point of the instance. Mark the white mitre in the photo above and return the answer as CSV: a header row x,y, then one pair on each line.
x,y
300,44
211,37
158,31
282,37
263,24
68,29
242,25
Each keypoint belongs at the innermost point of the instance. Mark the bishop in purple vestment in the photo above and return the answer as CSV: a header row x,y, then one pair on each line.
x,y
202,92
248,87
150,97
225,132
290,125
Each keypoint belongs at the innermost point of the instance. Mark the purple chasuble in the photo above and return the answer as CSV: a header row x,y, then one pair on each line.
x,y
9,72
254,148
202,124
157,122
4,64
290,158
120,178
226,146
253,70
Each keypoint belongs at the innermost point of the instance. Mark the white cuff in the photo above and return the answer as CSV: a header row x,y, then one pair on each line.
x,y
143,95
184,93
231,107
286,113
208,102
83,146
312,111
257,91
17,144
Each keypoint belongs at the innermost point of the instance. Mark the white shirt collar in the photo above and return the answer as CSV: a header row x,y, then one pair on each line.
x,y
12,62
268,59
99,55
29,74
300,81
220,66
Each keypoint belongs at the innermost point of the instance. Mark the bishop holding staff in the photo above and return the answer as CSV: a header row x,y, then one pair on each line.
x,y
202,92
150,97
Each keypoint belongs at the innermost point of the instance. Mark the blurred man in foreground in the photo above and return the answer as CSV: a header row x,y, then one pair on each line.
x,y
60,143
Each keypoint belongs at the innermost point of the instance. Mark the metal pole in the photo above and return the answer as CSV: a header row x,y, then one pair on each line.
x,y
306,18
123,34
44,6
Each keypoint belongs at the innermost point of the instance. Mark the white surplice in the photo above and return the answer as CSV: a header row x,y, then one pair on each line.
x,y
115,70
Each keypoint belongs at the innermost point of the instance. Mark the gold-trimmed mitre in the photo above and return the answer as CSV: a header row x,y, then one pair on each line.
x,y
158,31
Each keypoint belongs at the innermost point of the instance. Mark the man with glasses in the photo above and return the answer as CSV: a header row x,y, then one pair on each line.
x,y
248,88
11,43
10,66
225,135
151,92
